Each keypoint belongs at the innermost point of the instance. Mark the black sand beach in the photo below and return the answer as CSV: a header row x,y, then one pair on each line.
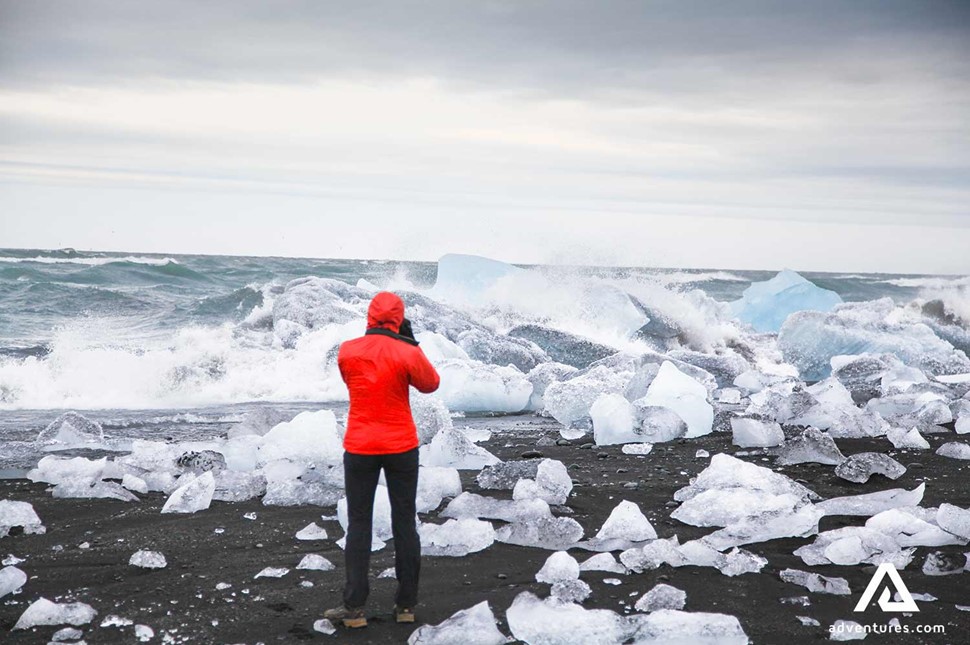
x,y
181,602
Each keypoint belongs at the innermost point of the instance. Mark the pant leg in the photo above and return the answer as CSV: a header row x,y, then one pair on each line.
x,y
361,473
401,473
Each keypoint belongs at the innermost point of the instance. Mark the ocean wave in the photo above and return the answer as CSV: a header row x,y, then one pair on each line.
x,y
91,261
930,282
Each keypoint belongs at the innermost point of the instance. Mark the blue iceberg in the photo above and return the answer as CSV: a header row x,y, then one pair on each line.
x,y
766,305
467,278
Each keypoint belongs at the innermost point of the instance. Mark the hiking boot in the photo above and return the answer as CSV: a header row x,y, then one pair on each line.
x,y
352,618
403,614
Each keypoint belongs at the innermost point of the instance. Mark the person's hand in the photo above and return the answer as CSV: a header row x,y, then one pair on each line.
x,y
406,330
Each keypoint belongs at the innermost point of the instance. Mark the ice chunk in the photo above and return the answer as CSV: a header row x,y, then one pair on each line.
x,y
431,416
324,626
911,438
44,612
766,305
473,626
662,597
812,446
938,563
549,532
193,496
552,484
954,450
954,519
78,470
869,504
11,580
308,437
612,417
852,545
67,634
627,522
434,484
20,514
847,630
602,562
754,433
862,375
456,538
451,448
672,627
559,567
908,530
466,279
272,572
552,622
312,532
148,560
636,448
494,349
570,591
567,349
133,483
766,526
726,471
504,475
861,466
680,393
71,430
477,506
438,347
569,401
817,583
315,562
471,386
233,486
696,553
723,507
258,422
541,377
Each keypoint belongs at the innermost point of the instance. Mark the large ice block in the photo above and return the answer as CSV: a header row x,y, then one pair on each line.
x,y
766,305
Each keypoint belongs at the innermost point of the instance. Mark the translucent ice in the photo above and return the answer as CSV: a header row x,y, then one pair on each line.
x,y
954,450
308,437
552,484
602,562
852,545
722,507
551,622
861,466
11,579
71,430
613,422
541,377
503,476
466,279
430,414
552,533
902,438
908,530
726,472
20,514
695,553
312,532
472,386
324,626
234,486
314,562
258,422
766,526
451,448
754,433
478,506
133,483
868,504
193,496
44,612
637,448
766,305
672,627
57,470
627,522
496,349
456,538
434,484
662,596
570,591
847,630
148,560
817,583
569,401
812,446
559,567
680,393
272,572
953,519
473,626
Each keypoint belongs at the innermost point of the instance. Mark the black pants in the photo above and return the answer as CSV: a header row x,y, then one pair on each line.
x,y
361,473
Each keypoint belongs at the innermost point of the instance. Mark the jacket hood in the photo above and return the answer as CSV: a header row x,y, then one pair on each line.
x,y
386,311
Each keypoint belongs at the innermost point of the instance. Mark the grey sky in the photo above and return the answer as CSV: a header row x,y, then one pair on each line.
x,y
816,135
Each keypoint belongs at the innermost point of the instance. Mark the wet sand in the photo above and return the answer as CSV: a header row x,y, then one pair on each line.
x,y
181,601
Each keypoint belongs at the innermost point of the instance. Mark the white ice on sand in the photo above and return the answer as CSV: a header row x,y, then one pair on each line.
x,y
662,596
552,622
11,580
472,386
473,626
44,612
552,484
673,389
192,497
22,514
902,438
694,553
625,527
272,572
853,545
602,562
861,466
456,538
558,567
148,560
868,504
817,583
315,562
909,530
755,433
434,484
311,531
451,448
954,450
324,626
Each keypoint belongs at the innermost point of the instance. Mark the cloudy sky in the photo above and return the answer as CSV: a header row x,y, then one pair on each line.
x,y
814,135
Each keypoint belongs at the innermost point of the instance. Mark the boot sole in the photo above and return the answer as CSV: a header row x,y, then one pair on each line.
x,y
355,623
405,619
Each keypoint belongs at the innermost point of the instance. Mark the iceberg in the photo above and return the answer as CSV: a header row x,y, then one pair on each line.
x,y
567,350
817,583
662,596
44,612
683,395
860,467
493,349
467,279
473,626
194,496
766,305
812,446
754,433
862,375
456,538
471,386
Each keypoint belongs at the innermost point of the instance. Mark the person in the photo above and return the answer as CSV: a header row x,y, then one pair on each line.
x,y
378,369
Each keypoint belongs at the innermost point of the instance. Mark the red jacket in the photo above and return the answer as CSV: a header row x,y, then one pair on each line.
x,y
378,368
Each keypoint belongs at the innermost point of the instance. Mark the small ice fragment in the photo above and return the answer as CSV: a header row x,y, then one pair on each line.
x,y
802,601
222,586
911,438
315,562
193,496
272,572
602,562
219,530
552,484
115,620
636,448
570,591
612,581
11,579
701,454
324,626
847,630
808,621
812,446
754,433
869,504
67,634
473,626
312,532
953,449
559,567
84,545
250,516
456,538
306,584
860,467
662,596
922,597
144,633
147,560
504,476
44,612
11,560
944,564
387,573
817,583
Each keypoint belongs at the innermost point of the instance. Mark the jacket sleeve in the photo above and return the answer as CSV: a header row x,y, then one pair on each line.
x,y
422,373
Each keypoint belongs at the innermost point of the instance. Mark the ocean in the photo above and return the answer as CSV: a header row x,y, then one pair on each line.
x,y
182,345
